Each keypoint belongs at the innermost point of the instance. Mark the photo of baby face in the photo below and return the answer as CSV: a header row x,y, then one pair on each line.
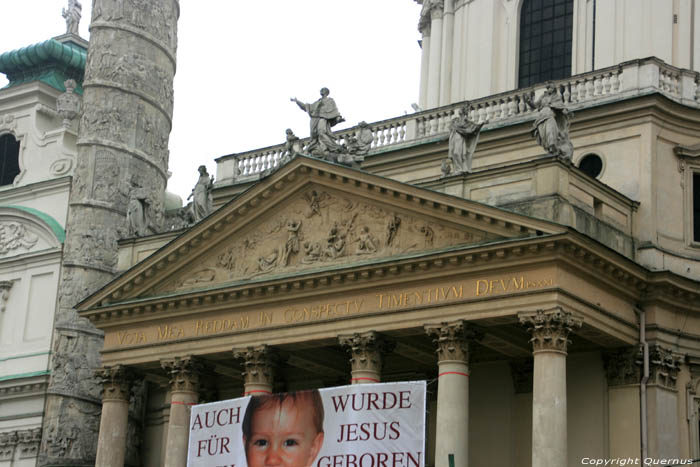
x,y
283,430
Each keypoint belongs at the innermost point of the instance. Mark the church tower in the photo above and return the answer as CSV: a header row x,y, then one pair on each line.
x,y
119,187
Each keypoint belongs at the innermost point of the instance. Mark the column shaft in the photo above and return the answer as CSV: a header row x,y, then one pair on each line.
x,y
424,69
435,63
549,437
452,434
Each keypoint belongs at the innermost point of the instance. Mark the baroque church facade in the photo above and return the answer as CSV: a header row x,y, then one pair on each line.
x,y
547,293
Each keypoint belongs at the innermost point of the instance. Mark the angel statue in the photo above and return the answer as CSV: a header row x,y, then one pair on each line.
x,y
72,16
551,127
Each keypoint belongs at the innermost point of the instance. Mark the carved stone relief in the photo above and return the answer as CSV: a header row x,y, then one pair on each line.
x,y
68,103
14,235
320,228
5,287
72,371
8,122
72,434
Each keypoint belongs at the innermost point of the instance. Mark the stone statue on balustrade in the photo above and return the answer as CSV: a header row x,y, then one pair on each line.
x,y
360,143
551,127
464,136
72,16
324,115
137,213
292,147
201,195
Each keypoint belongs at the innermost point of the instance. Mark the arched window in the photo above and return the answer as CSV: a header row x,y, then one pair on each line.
x,y
546,27
9,159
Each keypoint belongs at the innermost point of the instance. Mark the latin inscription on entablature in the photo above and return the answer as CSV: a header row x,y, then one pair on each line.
x,y
327,309
316,230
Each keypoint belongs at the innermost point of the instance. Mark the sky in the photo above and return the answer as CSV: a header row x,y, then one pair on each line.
x,y
239,62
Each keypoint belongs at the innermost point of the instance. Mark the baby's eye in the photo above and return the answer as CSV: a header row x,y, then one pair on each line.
x,y
291,442
261,443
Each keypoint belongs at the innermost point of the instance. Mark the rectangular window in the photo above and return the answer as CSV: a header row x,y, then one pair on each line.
x,y
696,206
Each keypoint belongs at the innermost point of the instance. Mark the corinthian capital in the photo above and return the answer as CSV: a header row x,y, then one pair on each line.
x,y
184,373
549,328
259,362
366,350
116,382
452,339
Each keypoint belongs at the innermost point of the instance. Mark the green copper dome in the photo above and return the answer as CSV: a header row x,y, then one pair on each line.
x,y
50,62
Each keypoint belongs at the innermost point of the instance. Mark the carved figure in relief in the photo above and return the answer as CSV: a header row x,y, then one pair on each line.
x,y
314,201
72,16
292,245
312,252
267,263
429,234
324,115
201,195
68,103
367,244
200,277
551,126
335,242
227,260
464,136
392,228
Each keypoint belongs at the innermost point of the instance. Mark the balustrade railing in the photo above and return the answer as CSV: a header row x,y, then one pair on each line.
x,y
617,82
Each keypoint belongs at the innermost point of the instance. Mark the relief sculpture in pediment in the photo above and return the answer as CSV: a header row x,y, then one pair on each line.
x,y
317,230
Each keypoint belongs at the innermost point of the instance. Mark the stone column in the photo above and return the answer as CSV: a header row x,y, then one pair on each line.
x,y
435,65
260,363
452,433
184,374
550,330
448,21
367,352
111,441
662,403
122,156
623,374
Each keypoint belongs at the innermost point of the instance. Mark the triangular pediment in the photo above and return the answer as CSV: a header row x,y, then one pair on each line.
x,y
313,216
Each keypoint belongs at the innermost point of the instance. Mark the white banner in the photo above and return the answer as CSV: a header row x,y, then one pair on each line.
x,y
368,425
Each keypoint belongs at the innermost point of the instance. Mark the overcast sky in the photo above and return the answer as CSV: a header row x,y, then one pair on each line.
x,y
239,62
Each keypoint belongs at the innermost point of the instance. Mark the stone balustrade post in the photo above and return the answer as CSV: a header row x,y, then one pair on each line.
x,y
367,352
111,441
452,433
260,363
550,330
185,374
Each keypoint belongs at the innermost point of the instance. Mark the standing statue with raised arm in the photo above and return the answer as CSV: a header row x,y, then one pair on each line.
x,y
324,115
551,127
72,16
464,135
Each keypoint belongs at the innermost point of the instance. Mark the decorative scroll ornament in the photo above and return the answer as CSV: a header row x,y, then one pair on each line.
x,y
184,373
14,235
366,350
116,381
550,328
68,103
8,122
452,340
260,363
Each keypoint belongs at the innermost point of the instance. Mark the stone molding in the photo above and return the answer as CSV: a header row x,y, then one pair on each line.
x,y
623,366
452,340
521,372
116,382
27,441
184,373
550,328
366,350
664,365
259,362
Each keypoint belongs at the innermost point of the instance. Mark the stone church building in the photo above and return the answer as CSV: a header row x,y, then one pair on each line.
x,y
546,292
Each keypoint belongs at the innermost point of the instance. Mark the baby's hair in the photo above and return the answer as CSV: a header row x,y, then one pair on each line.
x,y
312,397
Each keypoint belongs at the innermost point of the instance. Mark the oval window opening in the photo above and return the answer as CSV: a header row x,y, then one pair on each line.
x,y
591,165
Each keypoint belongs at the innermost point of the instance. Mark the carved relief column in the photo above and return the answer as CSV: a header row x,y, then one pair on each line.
x,y
452,433
111,441
436,10
260,363
623,374
367,352
184,376
550,330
